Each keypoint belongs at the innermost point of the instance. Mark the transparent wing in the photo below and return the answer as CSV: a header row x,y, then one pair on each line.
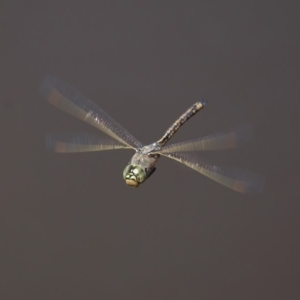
x,y
80,142
66,98
237,179
228,139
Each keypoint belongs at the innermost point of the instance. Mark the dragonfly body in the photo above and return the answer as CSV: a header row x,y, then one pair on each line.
x,y
143,162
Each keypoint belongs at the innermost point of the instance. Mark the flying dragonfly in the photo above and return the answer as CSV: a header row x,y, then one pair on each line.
x,y
143,162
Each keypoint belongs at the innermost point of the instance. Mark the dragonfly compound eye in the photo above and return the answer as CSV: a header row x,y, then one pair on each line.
x,y
134,175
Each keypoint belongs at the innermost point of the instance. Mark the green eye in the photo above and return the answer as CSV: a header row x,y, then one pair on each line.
x,y
127,171
134,175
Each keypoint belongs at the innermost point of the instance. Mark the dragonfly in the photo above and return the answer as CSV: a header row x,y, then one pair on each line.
x,y
143,162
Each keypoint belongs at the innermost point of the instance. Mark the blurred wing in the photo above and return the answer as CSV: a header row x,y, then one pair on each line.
x,y
229,139
80,142
66,98
239,180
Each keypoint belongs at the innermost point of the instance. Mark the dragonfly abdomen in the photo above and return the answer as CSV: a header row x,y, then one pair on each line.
x,y
180,121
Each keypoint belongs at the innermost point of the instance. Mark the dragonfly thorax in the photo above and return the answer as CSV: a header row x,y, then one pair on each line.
x,y
150,149
134,175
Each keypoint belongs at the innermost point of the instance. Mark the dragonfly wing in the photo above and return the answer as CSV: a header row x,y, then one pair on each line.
x,y
234,178
228,139
80,142
66,98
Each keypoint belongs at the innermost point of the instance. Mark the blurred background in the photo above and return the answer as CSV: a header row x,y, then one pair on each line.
x,y
70,228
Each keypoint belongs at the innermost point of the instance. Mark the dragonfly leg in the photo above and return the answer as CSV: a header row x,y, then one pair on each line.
x,y
150,173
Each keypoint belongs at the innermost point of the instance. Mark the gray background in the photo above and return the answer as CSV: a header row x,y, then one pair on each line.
x,y
69,226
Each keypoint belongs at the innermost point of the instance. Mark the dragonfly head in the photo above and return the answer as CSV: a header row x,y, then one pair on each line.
x,y
134,175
